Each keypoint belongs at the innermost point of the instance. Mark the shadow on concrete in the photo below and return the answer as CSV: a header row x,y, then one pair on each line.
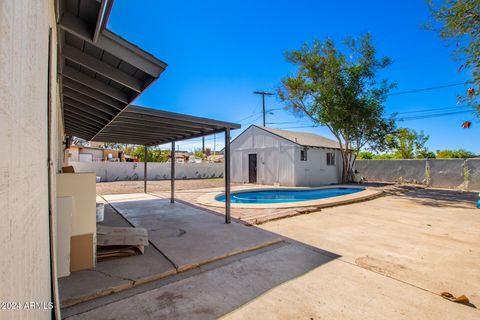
x,y
438,197
429,196
231,267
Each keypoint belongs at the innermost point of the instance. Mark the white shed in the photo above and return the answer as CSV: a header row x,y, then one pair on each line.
x,y
287,158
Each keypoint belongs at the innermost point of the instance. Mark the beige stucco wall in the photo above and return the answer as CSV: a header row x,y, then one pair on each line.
x,y
24,227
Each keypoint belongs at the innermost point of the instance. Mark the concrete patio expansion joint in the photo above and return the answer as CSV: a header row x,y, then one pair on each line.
x,y
116,277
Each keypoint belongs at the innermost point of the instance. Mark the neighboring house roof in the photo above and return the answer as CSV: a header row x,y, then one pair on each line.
x,y
305,139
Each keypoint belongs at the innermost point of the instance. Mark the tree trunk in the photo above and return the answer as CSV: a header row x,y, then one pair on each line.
x,y
348,162
344,165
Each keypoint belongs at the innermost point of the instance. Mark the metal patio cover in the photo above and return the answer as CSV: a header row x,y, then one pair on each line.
x,y
139,125
102,74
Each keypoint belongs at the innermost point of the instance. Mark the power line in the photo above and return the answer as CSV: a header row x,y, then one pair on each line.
x,y
426,110
288,122
435,115
251,115
312,126
259,115
427,89
407,118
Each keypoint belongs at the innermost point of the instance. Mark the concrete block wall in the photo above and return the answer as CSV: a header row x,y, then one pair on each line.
x,y
473,172
127,171
462,174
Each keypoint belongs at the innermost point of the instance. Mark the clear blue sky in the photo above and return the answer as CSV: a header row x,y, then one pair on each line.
x,y
219,52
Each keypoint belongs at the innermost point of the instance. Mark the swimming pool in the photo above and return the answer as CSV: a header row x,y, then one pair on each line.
x,y
271,196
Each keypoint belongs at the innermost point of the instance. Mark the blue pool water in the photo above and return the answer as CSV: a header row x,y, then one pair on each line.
x,y
286,195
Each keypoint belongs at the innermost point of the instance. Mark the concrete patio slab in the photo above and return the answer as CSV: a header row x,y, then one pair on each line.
x,y
188,236
114,275
428,238
389,258
86,285
218,291
292,282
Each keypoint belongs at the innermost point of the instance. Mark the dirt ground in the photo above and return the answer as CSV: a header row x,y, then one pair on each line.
x,y
122,187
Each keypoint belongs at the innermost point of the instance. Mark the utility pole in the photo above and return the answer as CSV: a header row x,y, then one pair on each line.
x,y
263,93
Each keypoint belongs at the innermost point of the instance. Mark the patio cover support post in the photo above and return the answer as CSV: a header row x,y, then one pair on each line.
x,y
227,175
172,174
145,161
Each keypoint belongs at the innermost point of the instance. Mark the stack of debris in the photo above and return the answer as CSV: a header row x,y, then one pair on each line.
x,y
120,242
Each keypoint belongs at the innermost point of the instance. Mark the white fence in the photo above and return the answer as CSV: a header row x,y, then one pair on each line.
x,y
463,174
127,171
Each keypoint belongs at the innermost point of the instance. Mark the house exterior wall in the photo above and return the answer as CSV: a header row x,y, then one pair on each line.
x,y
97,154
73,154
314,171
24,231
275,157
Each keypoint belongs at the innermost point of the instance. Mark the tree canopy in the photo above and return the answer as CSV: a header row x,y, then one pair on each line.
x,y
459,20
441,154
154,154
341,91
460,153
408,144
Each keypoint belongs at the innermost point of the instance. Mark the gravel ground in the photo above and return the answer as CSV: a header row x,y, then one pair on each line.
x,y
120,187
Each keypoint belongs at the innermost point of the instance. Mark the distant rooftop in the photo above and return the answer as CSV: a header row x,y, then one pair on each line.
x,y
304,138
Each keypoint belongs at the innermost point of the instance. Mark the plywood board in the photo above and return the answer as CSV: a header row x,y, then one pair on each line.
x,y
82,252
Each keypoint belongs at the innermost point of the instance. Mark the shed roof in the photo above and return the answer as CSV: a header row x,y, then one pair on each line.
x,y
306,139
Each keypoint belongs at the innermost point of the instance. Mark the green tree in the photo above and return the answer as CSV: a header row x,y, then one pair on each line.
x,y
365,155
460,153
341,92
408,144
154,154
199,154
426,154
459,20
385,156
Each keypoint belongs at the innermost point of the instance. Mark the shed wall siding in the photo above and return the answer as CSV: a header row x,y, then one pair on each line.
x,y
315,172
279,161
275,157
24,231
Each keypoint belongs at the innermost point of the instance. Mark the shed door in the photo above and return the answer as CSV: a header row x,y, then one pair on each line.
x,y
252,168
